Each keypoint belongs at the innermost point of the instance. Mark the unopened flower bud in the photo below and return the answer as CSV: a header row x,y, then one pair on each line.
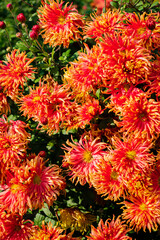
x,y
44,120
36,28
18,34
42,154
8,49
9,6
33,34
21,18
2,25
151,24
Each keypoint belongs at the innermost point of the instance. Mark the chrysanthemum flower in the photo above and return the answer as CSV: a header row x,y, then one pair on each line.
x,y
107,181
15,227
14,73
14,128
82,157
87,111
142,212
155,178
84,76
47,102
127,62
76,220
43,184
59,23
4,105
13,195
141,116
145,29
110,229
105,23
47,232
131,155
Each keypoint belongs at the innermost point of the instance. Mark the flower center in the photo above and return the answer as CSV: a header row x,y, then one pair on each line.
x,y
14,188
61,19
131,154
37,180
17,228
143,116
143,207
87,155
114,175
36,98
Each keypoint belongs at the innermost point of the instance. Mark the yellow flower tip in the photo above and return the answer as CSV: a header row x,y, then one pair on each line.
x,y
87,156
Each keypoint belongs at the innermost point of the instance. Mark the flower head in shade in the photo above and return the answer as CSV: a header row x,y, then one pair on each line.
x,y
59,23
15,227
107,181
14,73
47,232
105,23
4,105
76,220
82,157
142,212
114,229
131,155
141,116
43,183
99,5
47,104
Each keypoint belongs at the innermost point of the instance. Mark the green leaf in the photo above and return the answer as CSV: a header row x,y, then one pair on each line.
x,y
38,219
46,210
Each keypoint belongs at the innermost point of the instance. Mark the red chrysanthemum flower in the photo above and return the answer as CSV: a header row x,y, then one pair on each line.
x,y
47,232
144,29
127,62
15,227
59,23
13,195
107,181
48,105
111,229
82,157
43,183
106,23
131,155
14,73
89,110
142,212
141,116
14,128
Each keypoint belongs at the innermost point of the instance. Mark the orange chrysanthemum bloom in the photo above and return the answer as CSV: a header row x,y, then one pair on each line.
x,y
82,157
141,116
47,232
43,183
107,181
15,227
48,105
106,23
88,111
111,229
4,105
59,23
14,128
14,73
85,75
127,62
145,29
131,155
142,211
76,220
13,195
